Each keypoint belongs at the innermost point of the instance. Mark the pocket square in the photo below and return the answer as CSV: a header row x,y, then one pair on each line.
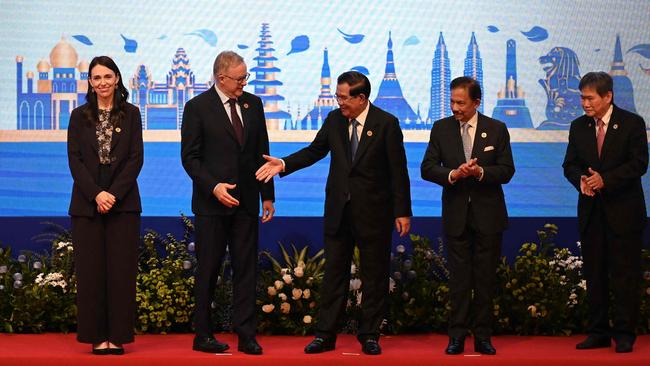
x,y
488,148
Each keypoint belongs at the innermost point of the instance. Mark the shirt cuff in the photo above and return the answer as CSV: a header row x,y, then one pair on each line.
x,y
451,181
284,166
480,176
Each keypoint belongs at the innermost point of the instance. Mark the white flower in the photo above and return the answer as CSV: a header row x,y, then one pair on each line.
x,y
296,293
533,310
355,284
282,296
268,308
583,285
391,284
306,319
278,285
285,308
287,279
400,249
284,271
271,291
306,294
353,269
299,272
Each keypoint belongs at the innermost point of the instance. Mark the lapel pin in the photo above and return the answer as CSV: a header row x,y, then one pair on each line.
x,y
615,126
484,135
246,105
369,133
118,130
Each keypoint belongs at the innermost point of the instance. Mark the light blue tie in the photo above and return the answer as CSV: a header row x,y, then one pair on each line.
x,y
354,139
467,141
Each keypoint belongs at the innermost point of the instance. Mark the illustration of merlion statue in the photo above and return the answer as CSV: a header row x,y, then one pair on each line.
x,y
561,65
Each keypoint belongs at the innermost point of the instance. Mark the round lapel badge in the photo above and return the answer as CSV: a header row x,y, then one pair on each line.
x,y
615,127
118,130
246,105
484,135
369,133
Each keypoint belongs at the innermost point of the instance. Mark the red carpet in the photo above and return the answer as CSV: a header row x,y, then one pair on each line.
x,y
59,349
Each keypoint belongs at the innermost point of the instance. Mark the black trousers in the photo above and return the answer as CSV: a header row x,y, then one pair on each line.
x,y
239,233
611,261
106,265
374,249
473,258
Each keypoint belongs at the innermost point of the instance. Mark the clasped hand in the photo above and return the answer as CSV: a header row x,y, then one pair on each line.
x,y
591,184
468,169
105,202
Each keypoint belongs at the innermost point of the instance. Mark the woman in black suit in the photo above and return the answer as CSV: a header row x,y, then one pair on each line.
x,y
105,154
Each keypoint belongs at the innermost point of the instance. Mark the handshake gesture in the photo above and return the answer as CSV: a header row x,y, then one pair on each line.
x,y
271,168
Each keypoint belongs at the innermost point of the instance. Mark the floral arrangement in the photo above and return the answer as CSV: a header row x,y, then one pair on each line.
x,y
288,300
541,293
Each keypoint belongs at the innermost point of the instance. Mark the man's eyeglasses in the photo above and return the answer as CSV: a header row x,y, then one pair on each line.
x,y
344,99
240,79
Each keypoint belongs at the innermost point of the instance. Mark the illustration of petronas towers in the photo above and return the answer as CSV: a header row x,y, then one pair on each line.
x,y
474,66
440,79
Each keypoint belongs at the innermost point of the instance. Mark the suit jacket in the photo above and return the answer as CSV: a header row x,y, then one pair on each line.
x,y
211,153
376,182
492,149
126,162
623,161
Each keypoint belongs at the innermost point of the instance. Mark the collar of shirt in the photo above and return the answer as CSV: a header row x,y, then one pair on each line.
x,y
224,100
361,118
606,118
473,122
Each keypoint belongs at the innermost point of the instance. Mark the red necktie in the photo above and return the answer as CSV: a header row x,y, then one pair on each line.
x,y
600,135
236,122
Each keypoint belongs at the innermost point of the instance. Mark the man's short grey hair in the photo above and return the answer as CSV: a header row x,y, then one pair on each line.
x,y
226,60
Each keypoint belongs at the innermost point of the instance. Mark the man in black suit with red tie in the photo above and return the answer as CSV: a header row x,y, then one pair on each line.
x,y
605,159
367,191
223,138
469,155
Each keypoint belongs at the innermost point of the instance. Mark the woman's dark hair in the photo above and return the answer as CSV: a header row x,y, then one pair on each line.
x,y
120,97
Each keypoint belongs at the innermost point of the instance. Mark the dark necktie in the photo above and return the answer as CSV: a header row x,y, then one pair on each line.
x,y
236,122
600,136
354,139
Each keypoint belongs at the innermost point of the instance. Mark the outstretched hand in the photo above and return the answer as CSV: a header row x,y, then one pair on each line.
x,y
271,168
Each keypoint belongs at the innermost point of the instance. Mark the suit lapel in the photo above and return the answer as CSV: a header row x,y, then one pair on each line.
x,y
589,133
340,125
220,111
91,135
454,126
117,134
611,134
479,141
367,135
246,117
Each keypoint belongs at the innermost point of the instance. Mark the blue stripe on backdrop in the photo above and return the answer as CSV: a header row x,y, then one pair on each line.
x,y
36,182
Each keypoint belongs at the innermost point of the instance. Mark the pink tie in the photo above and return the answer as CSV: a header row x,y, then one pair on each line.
x,y
600,136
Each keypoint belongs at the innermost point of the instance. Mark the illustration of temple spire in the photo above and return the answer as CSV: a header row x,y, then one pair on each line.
x,y
265,83
511,106
325,103
390,97
623,90
474,66
162,104
440,79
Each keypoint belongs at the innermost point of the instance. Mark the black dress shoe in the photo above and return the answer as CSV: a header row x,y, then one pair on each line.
x,y
116,351
484,346
320,345
208,344
101,351
371,347
624,346
456,346
249,346
592,342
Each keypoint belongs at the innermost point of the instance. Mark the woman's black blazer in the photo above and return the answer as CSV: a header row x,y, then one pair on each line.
x,y
126,162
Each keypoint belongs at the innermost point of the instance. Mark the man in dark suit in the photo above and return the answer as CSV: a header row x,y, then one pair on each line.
x,y
606,156
367,190
223,138
469,156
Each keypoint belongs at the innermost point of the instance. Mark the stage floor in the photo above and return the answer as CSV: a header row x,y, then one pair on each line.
x,y
412,350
